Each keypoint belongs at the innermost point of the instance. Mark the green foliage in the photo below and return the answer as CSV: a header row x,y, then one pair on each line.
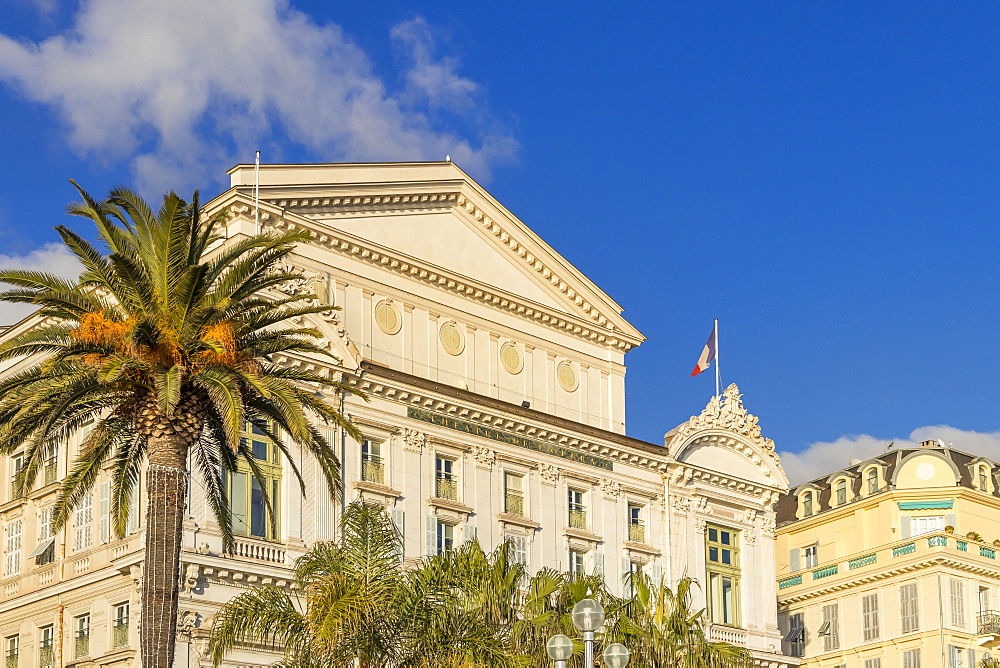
x,y
354,600
167,330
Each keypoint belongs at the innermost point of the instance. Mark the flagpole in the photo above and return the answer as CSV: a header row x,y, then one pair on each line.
x,y
717,358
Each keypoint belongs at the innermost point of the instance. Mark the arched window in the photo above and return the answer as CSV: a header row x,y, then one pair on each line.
x,y
841,492
873,480
807,504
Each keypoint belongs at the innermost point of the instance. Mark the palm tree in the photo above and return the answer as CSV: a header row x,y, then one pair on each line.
x,y
163,341
660,628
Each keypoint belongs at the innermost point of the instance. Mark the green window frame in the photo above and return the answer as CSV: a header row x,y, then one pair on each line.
x,y
250,514
722,561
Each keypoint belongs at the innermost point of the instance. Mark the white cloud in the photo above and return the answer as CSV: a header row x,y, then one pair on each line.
x,y
53,258
823,458
184,88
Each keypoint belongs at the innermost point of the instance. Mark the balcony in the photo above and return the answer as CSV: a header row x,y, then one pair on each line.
x,y
917,549
10,661
82,646
578,519
119,634
446,487
727,634
988,623
513,504
50,473
637,532
259,550
373,470
45,655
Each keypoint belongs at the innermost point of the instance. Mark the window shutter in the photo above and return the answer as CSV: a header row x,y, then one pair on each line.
x,y
957,588
949,519
468,531
104,512
430,535
398,521
793,560
599,563
520,545
904,527
132,522
655,574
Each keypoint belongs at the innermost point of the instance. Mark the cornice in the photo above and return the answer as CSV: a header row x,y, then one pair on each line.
x,y
868,578
392,386
594,327
681,474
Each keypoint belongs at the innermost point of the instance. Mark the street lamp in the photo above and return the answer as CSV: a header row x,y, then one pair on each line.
x,y
559,648
616,655
588,615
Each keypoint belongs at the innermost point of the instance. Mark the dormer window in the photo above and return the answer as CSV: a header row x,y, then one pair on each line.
x,y
873,480
983,478
807,504
841,492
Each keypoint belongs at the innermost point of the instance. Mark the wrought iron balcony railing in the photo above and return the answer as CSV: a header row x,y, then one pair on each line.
x,y
513,504
45,657
373,470
637,532
446,488
988,623
578,519
10,660
50,473
82,645
120,634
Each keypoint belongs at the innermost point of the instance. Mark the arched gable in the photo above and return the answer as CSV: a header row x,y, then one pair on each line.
x,y
929,467
727,439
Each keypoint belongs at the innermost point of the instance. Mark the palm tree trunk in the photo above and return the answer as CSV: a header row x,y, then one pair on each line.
x,y
166,482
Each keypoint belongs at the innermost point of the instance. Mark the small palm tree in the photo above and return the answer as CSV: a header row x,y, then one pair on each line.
x,y
163,342
659,626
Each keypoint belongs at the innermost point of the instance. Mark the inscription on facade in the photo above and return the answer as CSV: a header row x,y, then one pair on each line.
x,y
510,439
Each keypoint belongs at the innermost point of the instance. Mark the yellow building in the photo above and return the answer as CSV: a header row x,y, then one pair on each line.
x,y
891,562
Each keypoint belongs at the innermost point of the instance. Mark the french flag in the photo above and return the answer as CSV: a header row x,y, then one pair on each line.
x,y
708,354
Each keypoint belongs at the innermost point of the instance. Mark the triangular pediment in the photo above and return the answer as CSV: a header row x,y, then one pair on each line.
x,y
445,224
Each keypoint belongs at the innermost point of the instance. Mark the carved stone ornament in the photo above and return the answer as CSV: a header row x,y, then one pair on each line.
x,y
191,574
699,525
611,490
485,458
731,415
414,440
767,527
187,622
749,516
682,504
549,474
135,572
750,536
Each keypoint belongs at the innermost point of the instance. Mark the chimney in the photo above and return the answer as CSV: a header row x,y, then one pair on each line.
x,y
929,444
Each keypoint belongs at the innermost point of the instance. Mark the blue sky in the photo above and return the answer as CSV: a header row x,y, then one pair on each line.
x,y
821,178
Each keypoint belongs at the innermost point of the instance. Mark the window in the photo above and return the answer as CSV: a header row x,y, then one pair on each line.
x,y
46,638
869,617
11,645
16,464
44,552
51,452
841,492
445,481
956,658
445,538
807,504
249,496
922,525
873,663
983,486
873,486
513,494
722,560
576,562
119,625
13,561
372,467
510,358
387,317
796,636
956,590
577,509
519,550
83,523
908,612
81,635
636,527
830,630
910,658
984,599
810,555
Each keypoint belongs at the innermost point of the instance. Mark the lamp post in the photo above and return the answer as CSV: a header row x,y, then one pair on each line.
x,y
616,655
559,649
588,616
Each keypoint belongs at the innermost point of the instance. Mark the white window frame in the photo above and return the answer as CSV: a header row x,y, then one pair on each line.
x,y
84,524
956,600
909,608
870,617
13,547
920,525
